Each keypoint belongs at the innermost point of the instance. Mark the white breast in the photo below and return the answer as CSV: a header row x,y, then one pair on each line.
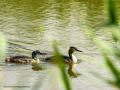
x,y
74,59
38,60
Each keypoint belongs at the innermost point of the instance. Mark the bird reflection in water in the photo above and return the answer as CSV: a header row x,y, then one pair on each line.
x,y
70,71
37,67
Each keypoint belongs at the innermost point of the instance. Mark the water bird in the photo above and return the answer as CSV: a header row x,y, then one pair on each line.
x,y
25,59
67,59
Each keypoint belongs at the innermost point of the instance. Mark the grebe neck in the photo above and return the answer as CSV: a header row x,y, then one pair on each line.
x,y
73,58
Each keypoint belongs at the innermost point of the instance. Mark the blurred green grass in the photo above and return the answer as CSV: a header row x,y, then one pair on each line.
x,y
3,48
107,50
3,45
60,64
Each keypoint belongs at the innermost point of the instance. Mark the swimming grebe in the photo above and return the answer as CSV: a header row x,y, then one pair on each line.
x,y
70,59
25,59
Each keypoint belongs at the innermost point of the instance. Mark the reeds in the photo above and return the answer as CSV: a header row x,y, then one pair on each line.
x,y
108,50
3,47
60,64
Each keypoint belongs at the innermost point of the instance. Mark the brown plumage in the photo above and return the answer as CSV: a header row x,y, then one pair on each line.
x,y
70,59
25,59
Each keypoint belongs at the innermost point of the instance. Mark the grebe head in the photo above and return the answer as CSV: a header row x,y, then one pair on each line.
x,y
72,57
72,49
37,52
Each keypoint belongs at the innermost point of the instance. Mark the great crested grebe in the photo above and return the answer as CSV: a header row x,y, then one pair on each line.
x,y
70,59
25,59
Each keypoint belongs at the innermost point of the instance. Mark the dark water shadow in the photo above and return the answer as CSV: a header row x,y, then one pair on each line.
x,y
71,72
45,65
38,67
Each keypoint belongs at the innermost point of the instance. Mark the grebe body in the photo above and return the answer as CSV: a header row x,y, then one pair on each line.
x,y
67,59
25,59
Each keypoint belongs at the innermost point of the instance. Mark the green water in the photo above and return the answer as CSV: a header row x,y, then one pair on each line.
x,y
28,25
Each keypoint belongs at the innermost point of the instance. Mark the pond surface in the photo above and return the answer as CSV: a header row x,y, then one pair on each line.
x,y
28,25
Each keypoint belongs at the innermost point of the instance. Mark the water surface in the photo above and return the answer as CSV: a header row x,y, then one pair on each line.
x,y
28,25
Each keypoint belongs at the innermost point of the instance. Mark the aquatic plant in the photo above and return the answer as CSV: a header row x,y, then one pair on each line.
x,y
106,49
60,64
3,47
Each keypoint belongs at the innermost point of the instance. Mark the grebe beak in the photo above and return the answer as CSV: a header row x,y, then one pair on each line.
x,y
79,50
42,53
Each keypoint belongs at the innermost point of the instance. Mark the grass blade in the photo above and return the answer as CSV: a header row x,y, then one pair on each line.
x,y
61,67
